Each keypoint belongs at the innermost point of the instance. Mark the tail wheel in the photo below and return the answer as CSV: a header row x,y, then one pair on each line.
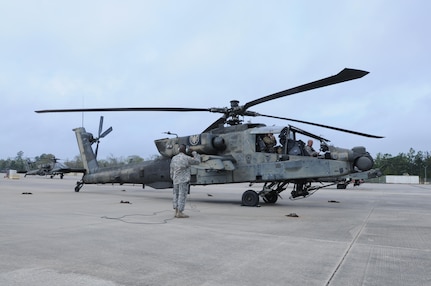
x,y
78,186
250,198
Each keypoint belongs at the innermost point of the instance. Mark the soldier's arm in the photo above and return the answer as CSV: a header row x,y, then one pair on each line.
x,y
196,160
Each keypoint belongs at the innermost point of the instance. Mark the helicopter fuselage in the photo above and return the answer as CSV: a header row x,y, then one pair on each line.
x,y
234,157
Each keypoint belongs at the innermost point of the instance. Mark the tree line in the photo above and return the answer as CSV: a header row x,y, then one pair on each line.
x,y
411,163
23,164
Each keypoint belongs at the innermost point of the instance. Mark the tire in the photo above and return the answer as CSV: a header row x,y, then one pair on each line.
x,y
250,198
270,198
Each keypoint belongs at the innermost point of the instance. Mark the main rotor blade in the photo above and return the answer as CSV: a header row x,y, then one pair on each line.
x,y
345,75
324,126
175,109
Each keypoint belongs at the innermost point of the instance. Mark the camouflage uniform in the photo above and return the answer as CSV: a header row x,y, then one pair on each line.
x,y
180,175
309,150
270,143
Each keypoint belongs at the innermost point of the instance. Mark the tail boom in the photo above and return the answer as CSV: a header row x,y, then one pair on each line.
x,y
87,154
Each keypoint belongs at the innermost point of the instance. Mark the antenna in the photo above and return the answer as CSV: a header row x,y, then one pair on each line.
x,y
170,133
82,114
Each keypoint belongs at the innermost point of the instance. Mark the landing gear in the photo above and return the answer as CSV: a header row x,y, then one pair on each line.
x,y
300,190
269,193
271,197
358,183
304,189
341,186
78,186
250,198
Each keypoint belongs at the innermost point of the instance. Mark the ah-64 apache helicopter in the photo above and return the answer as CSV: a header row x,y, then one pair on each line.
x,y
232,152
51,169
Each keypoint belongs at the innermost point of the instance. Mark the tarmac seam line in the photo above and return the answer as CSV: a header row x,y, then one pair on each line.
x,y
350,247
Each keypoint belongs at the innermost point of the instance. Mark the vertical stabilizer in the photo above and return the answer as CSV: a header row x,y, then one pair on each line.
x,y
87,155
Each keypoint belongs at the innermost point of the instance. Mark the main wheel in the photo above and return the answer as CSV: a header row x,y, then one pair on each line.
x,y
250,198
271,197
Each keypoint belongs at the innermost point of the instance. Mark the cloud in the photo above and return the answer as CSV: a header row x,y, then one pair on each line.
x,y
204,54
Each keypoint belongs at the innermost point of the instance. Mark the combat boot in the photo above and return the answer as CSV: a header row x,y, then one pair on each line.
x,y
176,212
181,215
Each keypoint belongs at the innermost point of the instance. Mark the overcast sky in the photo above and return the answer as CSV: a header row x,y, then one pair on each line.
x,y
74,54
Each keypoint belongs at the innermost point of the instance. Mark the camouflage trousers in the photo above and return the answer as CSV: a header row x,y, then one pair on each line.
x,y
180,195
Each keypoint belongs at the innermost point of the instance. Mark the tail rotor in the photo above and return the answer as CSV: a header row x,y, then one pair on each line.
x,y
100,135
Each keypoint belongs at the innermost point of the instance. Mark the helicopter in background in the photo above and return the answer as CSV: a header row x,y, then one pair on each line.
x,y
233,152
52,169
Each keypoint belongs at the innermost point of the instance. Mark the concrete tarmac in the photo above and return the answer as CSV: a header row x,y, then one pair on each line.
x,y
374,234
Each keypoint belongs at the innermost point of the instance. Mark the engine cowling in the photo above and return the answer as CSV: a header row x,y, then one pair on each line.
x,y
359,157
204,143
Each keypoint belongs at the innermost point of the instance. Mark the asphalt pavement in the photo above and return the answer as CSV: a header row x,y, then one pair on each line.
x,y
373,234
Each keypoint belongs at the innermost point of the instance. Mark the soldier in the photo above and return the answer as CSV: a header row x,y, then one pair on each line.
x,y
310,150
270,142
180,175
